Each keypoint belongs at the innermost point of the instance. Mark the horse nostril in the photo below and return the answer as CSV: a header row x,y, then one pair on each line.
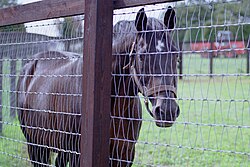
x,y
178,111
159,113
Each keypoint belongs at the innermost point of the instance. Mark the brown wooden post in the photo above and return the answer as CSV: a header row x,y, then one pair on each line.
x,y
180,61
248,60
1,101
95,122
248,55
211,59
12,88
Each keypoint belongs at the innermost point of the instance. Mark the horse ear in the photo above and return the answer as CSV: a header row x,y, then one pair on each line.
x,y
170,18
141,20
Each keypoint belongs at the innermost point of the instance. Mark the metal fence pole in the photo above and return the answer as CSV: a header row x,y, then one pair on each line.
x,y
98,28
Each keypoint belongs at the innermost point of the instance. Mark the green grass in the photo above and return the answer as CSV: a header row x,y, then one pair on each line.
x,y
11,146
194,64
12,150
214,121
210,126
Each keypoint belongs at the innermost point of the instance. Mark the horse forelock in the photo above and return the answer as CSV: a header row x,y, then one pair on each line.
x,y
124,34
156,24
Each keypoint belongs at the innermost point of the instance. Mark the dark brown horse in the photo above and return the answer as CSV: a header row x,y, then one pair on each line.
x,y
50,88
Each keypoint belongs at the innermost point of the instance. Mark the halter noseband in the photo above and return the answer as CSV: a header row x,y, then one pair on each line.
x,y
143,89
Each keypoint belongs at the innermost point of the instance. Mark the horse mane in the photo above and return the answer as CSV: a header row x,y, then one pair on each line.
x,y
124,33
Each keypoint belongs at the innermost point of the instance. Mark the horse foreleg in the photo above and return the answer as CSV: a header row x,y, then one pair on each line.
x,y
122,154
62,159
74,160
39,156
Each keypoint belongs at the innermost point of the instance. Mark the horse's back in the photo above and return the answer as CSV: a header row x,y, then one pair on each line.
x,y
49,98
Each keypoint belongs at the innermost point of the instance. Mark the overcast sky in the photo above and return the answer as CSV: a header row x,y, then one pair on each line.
x,y
130,14
26,1
45,30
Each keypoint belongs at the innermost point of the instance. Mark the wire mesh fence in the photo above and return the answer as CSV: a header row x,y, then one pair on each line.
x,y
208,110
212,41
37,122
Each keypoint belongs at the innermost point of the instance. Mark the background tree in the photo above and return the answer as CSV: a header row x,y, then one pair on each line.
x,y
197,13
7,3
70,29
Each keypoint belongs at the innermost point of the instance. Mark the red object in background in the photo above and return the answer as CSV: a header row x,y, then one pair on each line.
x,y
223,48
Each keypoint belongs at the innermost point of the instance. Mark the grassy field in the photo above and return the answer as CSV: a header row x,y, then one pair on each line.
x,y
11,148
213,127
212,130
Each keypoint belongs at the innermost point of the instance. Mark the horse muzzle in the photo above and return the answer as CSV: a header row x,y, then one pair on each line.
x,y
165,112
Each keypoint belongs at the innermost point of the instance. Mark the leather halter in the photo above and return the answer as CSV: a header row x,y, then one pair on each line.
x,y
143,89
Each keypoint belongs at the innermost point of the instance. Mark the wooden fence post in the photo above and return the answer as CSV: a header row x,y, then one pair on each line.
x,y
95,122
211,59
180,61
1,93
12,93
248,62
248,56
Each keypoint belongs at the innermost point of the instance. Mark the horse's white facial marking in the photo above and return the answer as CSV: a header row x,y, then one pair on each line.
x,y
160,46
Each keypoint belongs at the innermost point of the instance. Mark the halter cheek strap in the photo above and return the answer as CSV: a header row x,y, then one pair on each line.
x,y
148,92
130,56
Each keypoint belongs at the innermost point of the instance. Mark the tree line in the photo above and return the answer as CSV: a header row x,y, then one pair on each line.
x,y
200,21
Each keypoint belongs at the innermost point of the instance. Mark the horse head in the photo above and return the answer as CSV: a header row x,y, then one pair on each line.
x,y
153,65
152,62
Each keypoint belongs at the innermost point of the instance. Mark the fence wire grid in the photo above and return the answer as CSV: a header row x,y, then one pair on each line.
x,y
209,67
35,131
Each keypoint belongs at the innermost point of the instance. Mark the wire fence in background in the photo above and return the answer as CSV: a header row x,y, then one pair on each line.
x,y
213,90
18,46
212,128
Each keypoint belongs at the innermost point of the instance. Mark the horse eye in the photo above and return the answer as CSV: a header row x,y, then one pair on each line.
x,y
141,58
178,59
